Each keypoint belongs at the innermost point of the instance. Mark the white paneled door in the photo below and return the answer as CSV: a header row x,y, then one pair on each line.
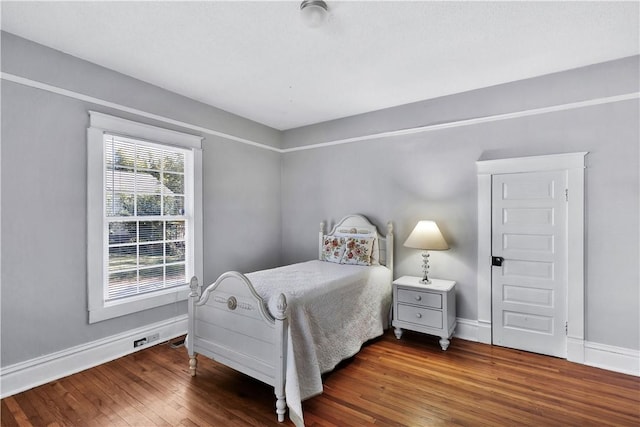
x,y
529,265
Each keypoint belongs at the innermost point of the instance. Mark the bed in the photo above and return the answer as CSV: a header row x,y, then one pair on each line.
x,y
287,326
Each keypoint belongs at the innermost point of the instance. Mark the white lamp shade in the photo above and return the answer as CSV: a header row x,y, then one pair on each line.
x,y
426,235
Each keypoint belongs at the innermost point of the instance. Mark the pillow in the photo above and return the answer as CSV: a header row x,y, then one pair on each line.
x,y
363,232
358,251
333,248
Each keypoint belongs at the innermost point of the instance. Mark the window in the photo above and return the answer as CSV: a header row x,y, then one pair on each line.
x,y
144,203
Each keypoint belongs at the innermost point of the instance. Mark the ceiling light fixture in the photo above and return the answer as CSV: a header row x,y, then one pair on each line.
x,y
314,12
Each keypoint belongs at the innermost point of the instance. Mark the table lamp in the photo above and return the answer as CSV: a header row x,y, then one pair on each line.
x,y
426,236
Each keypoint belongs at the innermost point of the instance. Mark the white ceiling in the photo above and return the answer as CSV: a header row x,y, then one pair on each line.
x,y
258,60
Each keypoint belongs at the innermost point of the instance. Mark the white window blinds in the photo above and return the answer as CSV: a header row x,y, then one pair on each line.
x,y
144,217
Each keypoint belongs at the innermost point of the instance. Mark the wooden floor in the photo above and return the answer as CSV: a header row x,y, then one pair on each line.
x,y
410,382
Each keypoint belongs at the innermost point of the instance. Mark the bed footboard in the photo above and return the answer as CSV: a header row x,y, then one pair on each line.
x,y
230,323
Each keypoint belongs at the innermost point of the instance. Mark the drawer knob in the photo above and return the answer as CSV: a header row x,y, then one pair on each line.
x,y
418,315
418,297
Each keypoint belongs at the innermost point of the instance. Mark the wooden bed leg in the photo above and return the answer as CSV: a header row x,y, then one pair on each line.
x,y
194,296
193,363
281,407
281,370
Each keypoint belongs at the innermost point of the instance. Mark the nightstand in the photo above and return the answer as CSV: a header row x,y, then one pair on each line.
x,y
430,309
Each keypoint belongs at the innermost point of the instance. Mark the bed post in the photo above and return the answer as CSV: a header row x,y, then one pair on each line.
x,y
281,362
320,241
194,296
389,248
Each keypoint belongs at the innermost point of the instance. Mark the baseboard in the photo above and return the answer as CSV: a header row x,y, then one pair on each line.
x,y
466,329
612,358
575,350
473,330
41,370
617,359
484,332
32,373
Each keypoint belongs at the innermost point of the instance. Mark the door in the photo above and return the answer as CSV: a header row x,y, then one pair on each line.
x,y
529,272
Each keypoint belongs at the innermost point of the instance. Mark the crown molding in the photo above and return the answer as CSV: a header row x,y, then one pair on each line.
x,y
86,98
387,134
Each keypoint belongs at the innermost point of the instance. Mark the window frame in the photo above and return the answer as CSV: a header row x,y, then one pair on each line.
x,y
97,239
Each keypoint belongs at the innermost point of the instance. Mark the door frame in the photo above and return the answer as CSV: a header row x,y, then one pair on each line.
x,y
574,164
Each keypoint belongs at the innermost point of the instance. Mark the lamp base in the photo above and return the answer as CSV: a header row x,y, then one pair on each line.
x,y
425,268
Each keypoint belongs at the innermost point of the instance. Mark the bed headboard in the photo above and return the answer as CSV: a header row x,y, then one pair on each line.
x,y
358,224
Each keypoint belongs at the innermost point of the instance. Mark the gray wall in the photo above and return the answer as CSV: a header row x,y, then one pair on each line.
x,y
249,192
44,290
242,208
432,175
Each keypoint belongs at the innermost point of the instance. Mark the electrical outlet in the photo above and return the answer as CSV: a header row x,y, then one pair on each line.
x,y
146,340
138,343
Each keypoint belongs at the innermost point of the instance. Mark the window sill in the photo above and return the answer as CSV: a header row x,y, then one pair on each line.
x,y
126,306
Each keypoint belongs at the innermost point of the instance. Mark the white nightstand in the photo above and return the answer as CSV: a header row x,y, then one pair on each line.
x,y
430,309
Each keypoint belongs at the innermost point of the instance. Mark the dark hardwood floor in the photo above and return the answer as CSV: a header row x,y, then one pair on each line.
x,y
410,382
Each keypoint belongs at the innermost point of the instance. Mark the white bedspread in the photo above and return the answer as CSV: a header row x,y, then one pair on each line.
x,y
333,310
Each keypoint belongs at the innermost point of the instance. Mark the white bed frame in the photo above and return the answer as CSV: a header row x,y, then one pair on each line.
x,y
229,322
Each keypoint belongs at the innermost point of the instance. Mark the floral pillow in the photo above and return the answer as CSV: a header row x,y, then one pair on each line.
x,y
363,233
358,250
333,248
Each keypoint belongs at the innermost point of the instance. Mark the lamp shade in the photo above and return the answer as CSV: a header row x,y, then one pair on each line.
x,y
426,235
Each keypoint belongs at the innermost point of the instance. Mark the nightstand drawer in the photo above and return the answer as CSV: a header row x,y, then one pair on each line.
x,y
420,316
425,299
